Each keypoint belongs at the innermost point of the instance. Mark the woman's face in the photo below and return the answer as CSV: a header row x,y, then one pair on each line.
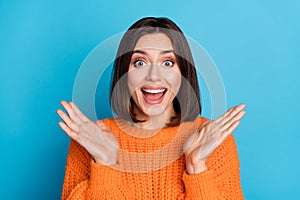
x,y
154,76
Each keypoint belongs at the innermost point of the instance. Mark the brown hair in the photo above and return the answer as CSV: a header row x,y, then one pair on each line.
x,y
187,105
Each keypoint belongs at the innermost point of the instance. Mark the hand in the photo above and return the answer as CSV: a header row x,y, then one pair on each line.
x,y
95,137
200,145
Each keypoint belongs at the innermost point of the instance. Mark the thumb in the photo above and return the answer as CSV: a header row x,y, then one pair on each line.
x,y
107,133
99,123
204,123
103,128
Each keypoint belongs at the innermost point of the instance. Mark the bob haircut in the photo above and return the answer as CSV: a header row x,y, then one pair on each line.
x,y
187,105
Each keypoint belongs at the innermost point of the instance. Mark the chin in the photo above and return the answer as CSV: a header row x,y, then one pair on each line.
x,y
154,111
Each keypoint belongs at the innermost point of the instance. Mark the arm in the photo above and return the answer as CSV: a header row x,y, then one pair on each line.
x,y
212,166
86,179
77,170
221,180
92,151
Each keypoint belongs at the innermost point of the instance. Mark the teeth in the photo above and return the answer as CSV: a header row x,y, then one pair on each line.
x,y
154,91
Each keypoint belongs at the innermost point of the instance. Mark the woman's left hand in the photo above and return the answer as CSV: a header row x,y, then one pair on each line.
x,y
208,137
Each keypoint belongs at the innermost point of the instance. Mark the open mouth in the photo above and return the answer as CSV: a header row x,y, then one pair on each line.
x,y
153,95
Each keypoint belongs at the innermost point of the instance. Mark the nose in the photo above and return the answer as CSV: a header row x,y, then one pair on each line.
x,y
153,73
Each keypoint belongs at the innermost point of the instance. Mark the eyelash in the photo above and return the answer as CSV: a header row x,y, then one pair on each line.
x,y
172,63
139,60
135,62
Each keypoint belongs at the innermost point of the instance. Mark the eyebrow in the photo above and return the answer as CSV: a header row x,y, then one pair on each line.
x,y
145,53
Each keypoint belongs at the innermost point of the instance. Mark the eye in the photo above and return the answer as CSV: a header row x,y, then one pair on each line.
x,y
139,63
168,63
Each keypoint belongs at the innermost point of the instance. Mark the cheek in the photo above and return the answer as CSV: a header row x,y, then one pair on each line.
x,y
174,80
176,83
134,80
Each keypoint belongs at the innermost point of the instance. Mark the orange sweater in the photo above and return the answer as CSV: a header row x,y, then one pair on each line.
x,y
151,165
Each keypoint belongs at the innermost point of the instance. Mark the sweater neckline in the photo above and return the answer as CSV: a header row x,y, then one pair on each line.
x,y
140,133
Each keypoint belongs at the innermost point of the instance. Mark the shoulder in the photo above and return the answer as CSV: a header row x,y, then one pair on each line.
x,y
226,153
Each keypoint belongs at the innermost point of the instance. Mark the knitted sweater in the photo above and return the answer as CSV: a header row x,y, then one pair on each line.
x,y
151,165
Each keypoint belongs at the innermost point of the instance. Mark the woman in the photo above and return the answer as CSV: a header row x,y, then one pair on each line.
x,y
157,147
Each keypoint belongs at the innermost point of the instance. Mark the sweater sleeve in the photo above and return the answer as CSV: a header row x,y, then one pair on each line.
x,y
222,178
85,179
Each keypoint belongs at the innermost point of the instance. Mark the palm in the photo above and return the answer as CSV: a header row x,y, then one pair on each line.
x,y
201,144
95,137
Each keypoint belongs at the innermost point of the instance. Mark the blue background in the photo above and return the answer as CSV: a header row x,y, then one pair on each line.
x,y
255,45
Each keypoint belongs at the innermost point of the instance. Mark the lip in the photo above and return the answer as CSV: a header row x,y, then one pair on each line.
x,y
154,88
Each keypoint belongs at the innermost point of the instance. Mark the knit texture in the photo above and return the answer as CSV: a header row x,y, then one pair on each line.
x,y
151,165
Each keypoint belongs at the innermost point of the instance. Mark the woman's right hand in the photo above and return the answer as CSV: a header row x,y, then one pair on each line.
x,y
95,137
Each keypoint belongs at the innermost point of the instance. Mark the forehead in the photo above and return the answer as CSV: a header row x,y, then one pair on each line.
x,y
158,41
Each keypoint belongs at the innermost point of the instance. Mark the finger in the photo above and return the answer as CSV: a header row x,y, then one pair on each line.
x,y
68,131
235,118
233,109
213,128
70,112
102,125
230,129
189,143
224,115
106,132
206,122
229,114
78,112
67,120
236,110
195,140
64,117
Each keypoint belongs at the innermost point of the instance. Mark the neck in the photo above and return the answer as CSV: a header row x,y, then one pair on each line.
x,y
153,122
